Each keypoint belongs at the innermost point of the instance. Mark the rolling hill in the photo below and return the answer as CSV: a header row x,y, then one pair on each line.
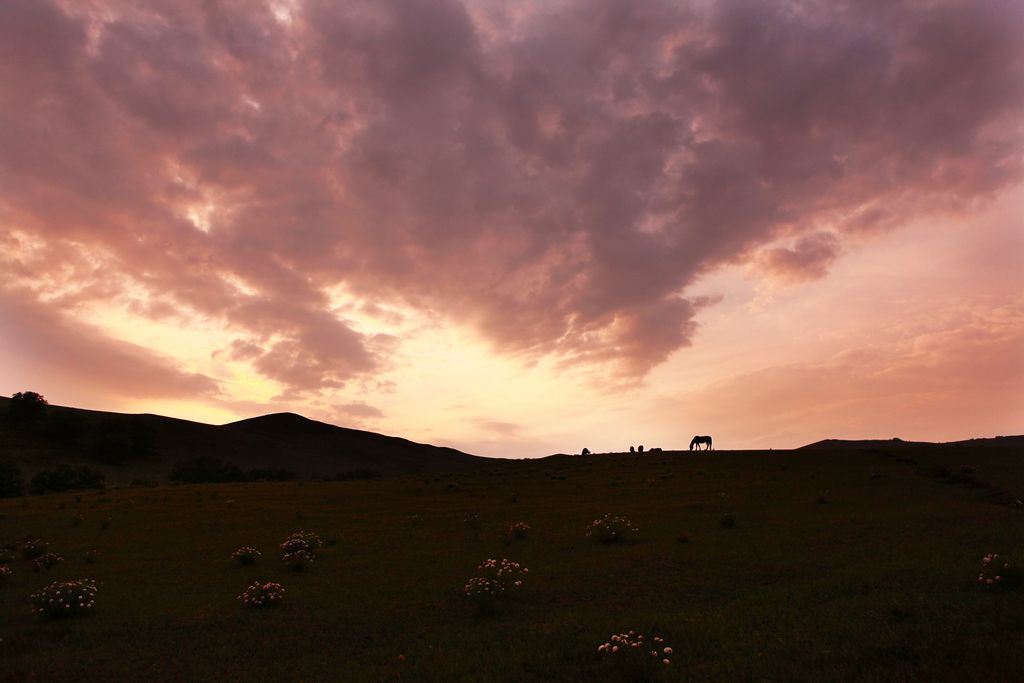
x,y
126,447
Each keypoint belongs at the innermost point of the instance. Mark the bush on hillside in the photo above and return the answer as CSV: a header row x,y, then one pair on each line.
x,y
205,470
271,474
26,406
66,478
11,483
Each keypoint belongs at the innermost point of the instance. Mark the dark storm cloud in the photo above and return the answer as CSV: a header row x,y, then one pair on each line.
x,y
553,174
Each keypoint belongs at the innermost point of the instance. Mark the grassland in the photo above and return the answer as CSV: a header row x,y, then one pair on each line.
x,y
842,566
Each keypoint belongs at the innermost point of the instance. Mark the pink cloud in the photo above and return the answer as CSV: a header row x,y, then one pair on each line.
x,y
555,176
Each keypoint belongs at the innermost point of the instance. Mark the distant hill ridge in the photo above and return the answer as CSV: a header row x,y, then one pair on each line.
x,y
855,444
279,440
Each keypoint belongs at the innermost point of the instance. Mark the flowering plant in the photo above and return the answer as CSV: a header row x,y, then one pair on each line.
x,y
639,657
611,529
246,555
298,560
300,540
998,572
519,530
495,579
65,598
45,561
5,573
261,594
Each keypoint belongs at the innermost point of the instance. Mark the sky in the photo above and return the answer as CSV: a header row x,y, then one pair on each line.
x,y
520,228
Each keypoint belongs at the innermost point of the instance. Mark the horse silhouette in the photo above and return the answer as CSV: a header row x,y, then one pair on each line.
x,y
698,440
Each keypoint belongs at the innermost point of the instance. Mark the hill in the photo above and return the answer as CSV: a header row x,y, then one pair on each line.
x,y
127,447
874,444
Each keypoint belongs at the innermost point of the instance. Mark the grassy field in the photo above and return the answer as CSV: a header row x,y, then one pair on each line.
x,y
842,566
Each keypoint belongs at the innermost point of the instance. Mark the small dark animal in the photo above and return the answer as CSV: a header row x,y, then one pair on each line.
x,y
698,440
640,448
586,451
632,449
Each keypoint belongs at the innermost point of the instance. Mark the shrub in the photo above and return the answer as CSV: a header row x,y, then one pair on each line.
x,y
5,573
612,529
11,483
298,561
301,540
271,474
518,530
45,561
246,555
33,548
65,598
262,594
205,470
998,572
360,473
26,406
66,478
636,657
495,580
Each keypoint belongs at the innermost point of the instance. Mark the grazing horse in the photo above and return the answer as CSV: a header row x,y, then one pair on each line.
x,y
698,440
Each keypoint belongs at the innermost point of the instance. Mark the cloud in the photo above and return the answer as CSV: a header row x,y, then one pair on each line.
x,y
358,409
55,350
807,259
925,377
554,175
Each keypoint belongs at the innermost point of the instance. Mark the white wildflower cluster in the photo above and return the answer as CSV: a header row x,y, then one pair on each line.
x,y
246,555
262,594
301,540
612,528
993,570
299,560
633,644
45,561
65,598
494,579
519,530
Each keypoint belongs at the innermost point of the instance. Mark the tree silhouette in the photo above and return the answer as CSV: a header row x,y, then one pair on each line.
x,y
26,406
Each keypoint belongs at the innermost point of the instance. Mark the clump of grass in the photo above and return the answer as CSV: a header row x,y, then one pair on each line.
x,y
262,594
246,555
612,529
65,598
728,521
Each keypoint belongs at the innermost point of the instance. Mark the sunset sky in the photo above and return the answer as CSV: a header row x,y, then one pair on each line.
x,y
520,228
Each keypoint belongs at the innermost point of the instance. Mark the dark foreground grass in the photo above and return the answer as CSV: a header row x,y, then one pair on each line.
x,y
839,567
